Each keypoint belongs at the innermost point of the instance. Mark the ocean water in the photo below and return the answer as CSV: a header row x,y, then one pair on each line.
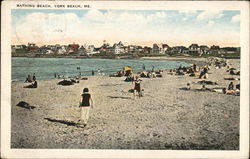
x,y
45,68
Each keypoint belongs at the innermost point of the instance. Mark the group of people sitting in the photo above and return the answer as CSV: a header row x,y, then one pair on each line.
x,y
151,74
230,90
31,80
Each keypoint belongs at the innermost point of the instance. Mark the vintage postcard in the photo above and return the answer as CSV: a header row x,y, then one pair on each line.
x,y
124,79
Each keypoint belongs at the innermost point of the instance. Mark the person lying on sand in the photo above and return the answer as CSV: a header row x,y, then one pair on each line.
x,y
85,103
65,82
207,82
231,92
74,80
203,88
186,88
237,79
33,85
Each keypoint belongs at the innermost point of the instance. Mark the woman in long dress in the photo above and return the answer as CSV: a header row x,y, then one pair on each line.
x,y
137,87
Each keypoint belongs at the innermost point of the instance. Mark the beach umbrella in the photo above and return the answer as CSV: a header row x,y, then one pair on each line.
x,y
128,70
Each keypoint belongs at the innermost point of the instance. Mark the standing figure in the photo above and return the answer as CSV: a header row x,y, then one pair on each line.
x,y
99,72
34,77
231,86
85,106
93,73
194,67
143,67
137,87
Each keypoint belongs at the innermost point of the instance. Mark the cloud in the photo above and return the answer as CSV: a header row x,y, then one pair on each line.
x,y
210,23
40,26
209,15
95,26
235,18
188,11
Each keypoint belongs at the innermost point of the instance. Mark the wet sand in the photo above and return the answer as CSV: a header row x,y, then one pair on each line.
x,y
166,117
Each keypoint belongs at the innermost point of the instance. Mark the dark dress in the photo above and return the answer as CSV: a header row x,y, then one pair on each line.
x,y
137,85
85,100
230,87
35,84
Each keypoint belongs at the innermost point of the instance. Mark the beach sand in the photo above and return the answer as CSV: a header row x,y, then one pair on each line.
x,y
166,117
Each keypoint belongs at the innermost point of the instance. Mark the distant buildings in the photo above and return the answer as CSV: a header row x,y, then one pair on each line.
x,y
160,48
120,49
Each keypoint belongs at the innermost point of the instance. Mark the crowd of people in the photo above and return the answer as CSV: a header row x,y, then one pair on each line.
x,y
194,70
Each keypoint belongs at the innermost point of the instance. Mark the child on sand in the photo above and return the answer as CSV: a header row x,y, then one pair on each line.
x,y
85,106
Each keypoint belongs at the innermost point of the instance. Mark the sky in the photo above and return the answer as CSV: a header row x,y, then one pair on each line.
x,y
140,27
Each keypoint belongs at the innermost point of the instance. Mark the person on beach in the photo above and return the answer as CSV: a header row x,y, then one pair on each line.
x,y
231,86
99,72
34,77
55,75
143,67
85,103
194,67
28,79
204,73
137,87
33,85
93,73
188,86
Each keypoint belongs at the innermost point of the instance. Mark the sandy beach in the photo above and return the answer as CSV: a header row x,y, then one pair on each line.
x,y
166,117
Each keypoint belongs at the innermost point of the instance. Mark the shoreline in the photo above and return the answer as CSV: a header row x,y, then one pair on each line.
x,y
198,61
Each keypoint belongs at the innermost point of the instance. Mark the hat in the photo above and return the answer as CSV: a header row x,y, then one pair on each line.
x,y
85,90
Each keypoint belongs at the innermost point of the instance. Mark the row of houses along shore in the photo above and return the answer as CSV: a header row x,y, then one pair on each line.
x,y
119,49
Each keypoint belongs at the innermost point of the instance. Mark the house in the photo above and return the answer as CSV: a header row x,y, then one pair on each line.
x,y
230,50
18,48
165,48
147,50
32,47
104,48
131,49
49,52
82,50
160,48
194,49
89,48
118,48
62,50
214,49
94,51
203,50
73,48
179,50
